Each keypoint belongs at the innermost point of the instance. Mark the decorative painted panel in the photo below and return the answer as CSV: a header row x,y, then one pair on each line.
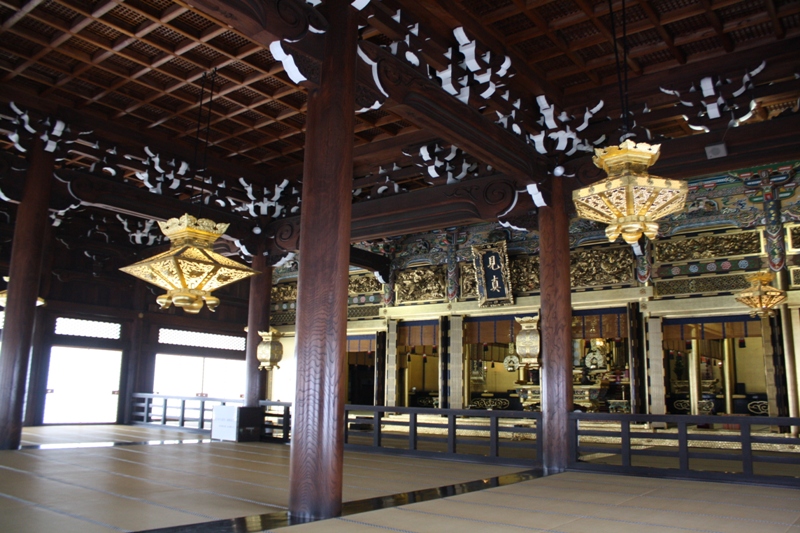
x,y
708,247
701,285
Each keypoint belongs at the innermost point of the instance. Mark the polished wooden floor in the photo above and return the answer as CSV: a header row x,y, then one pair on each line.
x,y
71,479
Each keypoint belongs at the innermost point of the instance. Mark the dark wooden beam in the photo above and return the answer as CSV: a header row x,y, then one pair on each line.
x,y
27,250
470,202
556,320
257,320
266,20
423,102
317,459
371,261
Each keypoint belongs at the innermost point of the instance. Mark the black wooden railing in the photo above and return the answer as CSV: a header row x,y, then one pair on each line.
x,y
195,413
507,437
750,451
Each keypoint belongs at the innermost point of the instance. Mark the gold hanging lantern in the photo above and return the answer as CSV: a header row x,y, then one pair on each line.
x,y
629,200
760,296
270,349
191,269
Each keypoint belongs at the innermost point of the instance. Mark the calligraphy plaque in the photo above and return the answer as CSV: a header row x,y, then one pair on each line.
x,y
491,271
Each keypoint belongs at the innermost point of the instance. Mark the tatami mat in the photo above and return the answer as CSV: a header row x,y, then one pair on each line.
x,y
575,502
84,484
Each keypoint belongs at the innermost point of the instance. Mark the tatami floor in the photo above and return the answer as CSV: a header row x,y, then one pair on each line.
x,y
70,479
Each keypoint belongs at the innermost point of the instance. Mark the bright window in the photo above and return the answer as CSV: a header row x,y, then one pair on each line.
x,y
202,340
87,328
184,375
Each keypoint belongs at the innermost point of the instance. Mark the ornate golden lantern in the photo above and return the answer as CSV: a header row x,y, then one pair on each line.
x,y
270,349
191,269
760,296
629,200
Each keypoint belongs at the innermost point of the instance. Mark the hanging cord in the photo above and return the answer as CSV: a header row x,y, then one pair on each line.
x,y
208,120
199,132
626,107
623,89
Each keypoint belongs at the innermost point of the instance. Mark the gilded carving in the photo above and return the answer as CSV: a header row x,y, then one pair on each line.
x,y
421,285
364,284
284,292
601,267
794,273
468,281
793,245
525,273
707,247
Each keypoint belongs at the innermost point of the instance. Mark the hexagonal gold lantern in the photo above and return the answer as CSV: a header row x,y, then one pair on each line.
x,y
629,200
190,270
760,297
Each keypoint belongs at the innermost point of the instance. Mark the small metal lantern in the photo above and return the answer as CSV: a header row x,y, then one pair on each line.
x,y
270,349
528,342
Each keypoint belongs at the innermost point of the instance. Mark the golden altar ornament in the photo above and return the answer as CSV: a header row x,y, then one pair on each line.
x,y
760,297
629,200
190,270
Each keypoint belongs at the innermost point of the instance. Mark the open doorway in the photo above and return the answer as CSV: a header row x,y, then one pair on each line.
x,y
82,386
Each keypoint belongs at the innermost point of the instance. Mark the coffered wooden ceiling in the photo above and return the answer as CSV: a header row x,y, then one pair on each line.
x,y
134,71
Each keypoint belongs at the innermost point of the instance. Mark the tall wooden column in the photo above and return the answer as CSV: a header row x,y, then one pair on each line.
x,y
556,325
257,320
26,259
317,437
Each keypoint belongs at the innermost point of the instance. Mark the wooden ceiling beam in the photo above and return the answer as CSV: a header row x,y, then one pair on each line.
x,y
716,23
648,9
780,33
21,12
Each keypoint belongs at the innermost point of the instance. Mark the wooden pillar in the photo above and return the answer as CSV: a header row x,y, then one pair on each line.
x,y
23,289
317,437
257,320
556,312
42,342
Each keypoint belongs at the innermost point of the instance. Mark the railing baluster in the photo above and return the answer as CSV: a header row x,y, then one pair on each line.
x,y
164,413
412,431
493,436
182,416
376,428
287,423
683,446
625,428
451,433
747,449
202,422
572,437
148,404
